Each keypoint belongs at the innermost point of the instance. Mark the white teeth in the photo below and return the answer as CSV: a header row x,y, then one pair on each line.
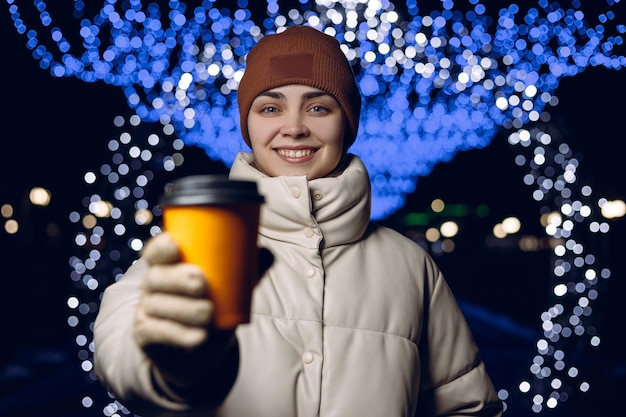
x,y
295,154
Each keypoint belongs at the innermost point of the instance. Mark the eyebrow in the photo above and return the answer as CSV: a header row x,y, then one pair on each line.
x,y
307,95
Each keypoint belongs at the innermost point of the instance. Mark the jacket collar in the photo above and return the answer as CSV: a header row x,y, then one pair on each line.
x,y
326,211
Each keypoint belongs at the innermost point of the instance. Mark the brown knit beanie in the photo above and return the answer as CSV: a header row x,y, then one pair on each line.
x,y
300,55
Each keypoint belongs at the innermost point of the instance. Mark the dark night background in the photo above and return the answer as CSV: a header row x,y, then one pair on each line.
x,y
54,130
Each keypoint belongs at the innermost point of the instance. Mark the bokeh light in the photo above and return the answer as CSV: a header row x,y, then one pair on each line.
x,y
39,196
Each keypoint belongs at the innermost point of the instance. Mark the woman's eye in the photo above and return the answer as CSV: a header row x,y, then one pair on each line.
x,y
269,109
318,109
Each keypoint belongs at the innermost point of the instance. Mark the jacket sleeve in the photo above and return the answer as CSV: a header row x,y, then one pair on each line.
x,y
124,369
454,381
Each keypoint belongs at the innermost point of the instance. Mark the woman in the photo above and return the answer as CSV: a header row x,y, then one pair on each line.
x,y
351,319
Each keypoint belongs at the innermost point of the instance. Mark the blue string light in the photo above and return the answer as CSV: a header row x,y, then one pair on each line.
x,y
433,84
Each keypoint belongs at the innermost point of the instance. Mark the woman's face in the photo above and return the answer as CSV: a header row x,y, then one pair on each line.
x,y
296,130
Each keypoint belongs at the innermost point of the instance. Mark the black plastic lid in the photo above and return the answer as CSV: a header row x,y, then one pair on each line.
x,y
209,189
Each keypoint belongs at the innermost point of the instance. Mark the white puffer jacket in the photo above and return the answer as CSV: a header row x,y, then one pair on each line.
x,y
351,320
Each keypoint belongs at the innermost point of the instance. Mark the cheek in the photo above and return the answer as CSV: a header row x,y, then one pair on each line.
x,y
260,130
254,133
340,136
251,125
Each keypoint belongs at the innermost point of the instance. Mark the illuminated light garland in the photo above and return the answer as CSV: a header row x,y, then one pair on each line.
x,y
443,82
433,85
570,216
116,218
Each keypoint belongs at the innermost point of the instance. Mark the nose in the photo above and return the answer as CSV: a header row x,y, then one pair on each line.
x,y
294,126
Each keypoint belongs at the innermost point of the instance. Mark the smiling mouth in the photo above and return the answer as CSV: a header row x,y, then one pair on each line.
x,y
295,153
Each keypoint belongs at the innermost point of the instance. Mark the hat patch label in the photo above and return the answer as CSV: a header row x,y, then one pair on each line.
x,y
291,66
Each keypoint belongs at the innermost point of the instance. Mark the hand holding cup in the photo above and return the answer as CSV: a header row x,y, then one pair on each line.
x,y
174,309
172,325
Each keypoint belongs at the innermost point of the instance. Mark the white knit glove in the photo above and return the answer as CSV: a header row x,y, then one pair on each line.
x,y
173,319
174,309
